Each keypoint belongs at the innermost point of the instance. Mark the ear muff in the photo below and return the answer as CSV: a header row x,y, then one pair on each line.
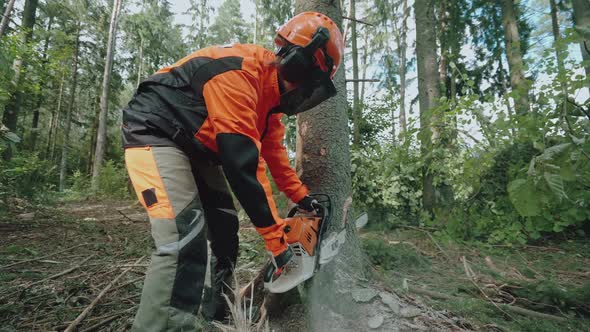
x,y
298,63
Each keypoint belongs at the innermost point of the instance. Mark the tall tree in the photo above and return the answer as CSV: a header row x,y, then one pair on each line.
x,y
6,16
68,118
200,12
322,150
11,111
582,24
402,47
104,98
40,99
356,107
559,56
429,93
514,56
229,25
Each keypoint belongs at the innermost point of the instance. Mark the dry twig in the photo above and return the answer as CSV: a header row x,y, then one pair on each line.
x,y
42,257
84,313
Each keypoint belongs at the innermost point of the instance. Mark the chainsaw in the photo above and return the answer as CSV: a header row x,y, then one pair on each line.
x,y
307,235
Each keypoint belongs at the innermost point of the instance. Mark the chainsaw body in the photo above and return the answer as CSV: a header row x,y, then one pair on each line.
x,y
305,234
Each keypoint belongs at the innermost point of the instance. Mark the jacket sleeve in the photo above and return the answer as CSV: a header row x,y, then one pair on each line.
x,y
275,155
231,100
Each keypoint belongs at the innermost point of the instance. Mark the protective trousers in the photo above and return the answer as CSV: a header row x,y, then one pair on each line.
x,y
187,202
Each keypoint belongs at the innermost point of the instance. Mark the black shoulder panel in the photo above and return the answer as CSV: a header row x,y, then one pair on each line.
x,y
239,158
176,96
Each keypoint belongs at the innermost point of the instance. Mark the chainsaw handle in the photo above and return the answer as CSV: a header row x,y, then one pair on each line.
x,y
320,210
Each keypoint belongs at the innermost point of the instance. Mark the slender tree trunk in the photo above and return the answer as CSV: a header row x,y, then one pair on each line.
x,y
140,65
514,55
68,119
35,123
6,17
402,73
364,63
104,98
356,111
556,37
582,22
428,90
92,148
444,22
54,121
10,117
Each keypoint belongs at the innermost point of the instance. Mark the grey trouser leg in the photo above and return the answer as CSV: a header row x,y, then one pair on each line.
x,y
174,282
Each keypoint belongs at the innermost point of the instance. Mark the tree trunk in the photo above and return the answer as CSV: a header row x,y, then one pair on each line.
x,y
556,37
10,117
402,73
514,55
6,17
140,65
582,22
428,91
92,148
104,98
356,112
68,119
444,22
35,123
323,156
54,121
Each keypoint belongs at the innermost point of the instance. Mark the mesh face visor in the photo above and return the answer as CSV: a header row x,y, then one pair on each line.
x,y
305,98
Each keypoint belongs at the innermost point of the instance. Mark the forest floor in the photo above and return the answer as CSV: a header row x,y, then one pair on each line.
x,y
89,258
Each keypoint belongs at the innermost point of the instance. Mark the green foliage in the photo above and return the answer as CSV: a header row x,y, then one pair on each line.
x,y
391,257
27,176
112,183
386,183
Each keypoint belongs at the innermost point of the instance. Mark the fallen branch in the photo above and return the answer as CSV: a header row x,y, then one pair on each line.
x,y
42,257
126,217
83,314
57,275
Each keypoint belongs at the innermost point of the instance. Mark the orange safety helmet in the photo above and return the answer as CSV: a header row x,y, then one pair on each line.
x,y
302,28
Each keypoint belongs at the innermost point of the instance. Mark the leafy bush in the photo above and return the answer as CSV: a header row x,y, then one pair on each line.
x,y
113,181
386,182
390,256
27,176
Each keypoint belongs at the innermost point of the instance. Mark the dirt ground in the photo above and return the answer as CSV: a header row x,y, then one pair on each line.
x,y
57,263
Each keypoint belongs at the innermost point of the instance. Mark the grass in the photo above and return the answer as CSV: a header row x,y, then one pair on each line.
x,y
546,279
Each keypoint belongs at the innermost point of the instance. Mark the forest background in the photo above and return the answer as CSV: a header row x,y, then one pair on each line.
x,y
469,121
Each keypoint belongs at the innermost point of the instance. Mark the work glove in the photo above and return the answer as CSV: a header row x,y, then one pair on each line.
x,y
307,203
281,260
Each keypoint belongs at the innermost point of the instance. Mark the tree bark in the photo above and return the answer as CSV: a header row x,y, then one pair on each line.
x,y
514,54
356,116
104,98
429,93
323,156
68,119
140,65
54,121
582,22
10,117
402,73
36,114
6,17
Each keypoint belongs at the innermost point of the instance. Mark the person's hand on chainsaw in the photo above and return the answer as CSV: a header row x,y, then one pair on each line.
x,y
308,204
281,260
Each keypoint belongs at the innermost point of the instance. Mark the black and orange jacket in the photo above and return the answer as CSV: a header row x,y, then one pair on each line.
x,y
221,103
